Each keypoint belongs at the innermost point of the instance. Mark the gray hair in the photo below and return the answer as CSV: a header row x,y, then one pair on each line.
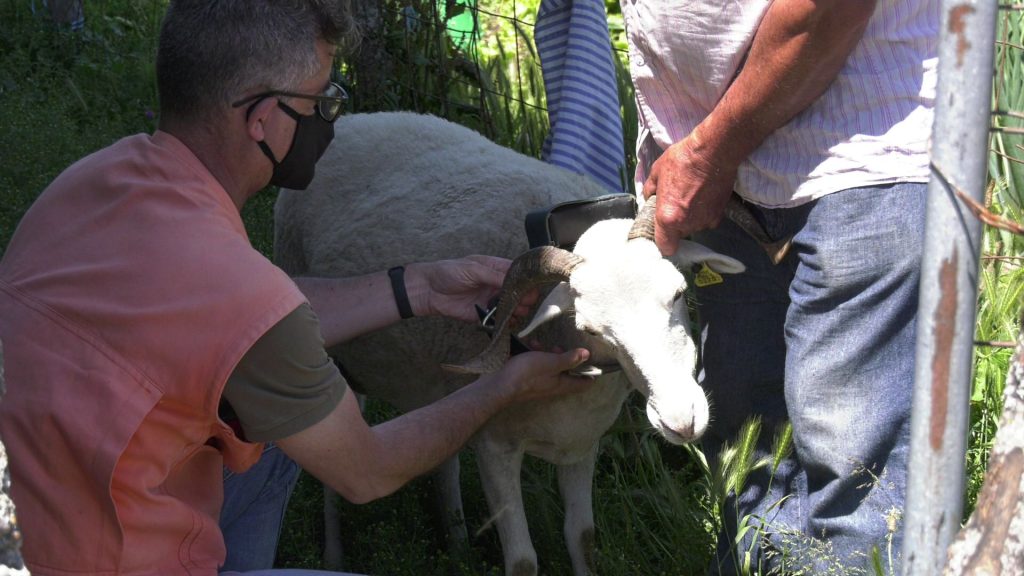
x,y
212,53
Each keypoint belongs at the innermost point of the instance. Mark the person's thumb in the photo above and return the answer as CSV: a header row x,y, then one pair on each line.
x,y
490,270
570,359
650,187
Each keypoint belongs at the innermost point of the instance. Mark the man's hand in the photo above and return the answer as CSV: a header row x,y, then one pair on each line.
x,y
452,287
541,375
692,190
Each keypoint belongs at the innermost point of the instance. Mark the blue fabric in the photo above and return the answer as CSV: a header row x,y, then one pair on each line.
x,y
824,340
75,16
253,512
582,96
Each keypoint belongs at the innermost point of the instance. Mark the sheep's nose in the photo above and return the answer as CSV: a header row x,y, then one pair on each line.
x,y
684,427
675,436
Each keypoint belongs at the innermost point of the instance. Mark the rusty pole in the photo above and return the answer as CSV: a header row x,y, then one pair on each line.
x,y
949,285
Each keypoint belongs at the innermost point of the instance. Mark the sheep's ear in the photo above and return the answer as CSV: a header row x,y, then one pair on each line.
x,y
689,253
558,302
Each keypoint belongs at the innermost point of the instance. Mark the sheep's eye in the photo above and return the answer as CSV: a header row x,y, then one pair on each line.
x,y
679,294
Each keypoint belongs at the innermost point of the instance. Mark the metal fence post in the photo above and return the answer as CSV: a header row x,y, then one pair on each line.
x,y
949,279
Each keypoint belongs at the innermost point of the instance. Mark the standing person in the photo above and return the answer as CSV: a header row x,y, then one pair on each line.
x,y
817,114
137,319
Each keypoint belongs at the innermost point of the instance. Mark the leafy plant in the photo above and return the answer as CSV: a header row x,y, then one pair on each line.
x,y
64,95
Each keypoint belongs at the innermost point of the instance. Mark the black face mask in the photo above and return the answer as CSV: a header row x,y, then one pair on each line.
x,y
312,136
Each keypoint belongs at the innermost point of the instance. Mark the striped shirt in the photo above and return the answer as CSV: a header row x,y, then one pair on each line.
x,y
870,127
582,93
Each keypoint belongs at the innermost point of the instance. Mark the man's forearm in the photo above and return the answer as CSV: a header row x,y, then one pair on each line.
x,y
363,463
350,307
798,50
416,442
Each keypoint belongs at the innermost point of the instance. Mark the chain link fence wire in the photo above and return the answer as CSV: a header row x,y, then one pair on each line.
x,y
473,62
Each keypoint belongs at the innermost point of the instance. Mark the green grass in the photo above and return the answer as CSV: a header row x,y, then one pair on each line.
x,y
64,95
651,507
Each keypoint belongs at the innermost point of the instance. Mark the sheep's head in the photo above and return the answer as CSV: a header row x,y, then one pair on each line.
x,y
622,291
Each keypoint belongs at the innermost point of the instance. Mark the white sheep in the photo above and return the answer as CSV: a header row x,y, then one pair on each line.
x,y
395,188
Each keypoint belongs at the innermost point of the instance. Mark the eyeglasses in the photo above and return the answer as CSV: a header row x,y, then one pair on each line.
x,y
329,105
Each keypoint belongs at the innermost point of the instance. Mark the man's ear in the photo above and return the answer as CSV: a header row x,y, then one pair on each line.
x,y
257,117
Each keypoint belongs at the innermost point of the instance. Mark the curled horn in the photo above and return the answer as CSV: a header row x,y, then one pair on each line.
x,y
643,226
536,267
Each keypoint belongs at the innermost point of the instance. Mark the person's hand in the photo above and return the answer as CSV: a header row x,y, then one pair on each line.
x,y
541,375
692,192
454,287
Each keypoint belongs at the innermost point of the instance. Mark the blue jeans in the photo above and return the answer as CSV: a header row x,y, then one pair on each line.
x,y
254,506
824,340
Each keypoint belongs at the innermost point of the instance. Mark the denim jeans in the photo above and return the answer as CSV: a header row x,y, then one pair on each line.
x,y
824,340
254,506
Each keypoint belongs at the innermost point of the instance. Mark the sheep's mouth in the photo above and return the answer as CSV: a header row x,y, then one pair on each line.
x,y
674,437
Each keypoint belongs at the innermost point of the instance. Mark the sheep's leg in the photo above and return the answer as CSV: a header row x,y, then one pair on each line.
x,y
333,556
448,501
332,530
500,466
576,483
448,497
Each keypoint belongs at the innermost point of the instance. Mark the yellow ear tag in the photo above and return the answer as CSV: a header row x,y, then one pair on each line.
x,y
707,277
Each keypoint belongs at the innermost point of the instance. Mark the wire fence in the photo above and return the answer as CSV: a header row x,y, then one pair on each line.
x,y
470,61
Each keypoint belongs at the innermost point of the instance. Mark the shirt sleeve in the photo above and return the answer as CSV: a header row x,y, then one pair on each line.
x,y
286,382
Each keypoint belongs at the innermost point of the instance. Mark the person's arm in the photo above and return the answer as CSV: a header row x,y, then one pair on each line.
x,y
349,307
363,463
797,51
